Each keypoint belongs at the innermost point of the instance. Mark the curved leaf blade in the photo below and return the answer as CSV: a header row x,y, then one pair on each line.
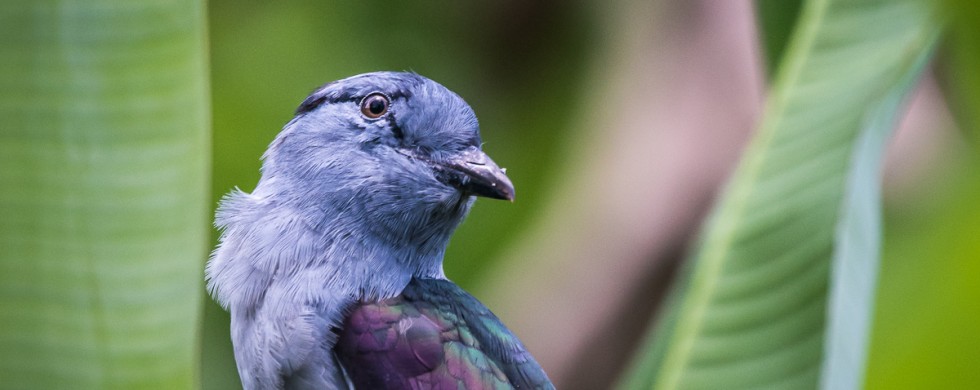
x,y
752,309
855,263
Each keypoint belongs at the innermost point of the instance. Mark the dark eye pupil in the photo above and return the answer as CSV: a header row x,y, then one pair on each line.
x,y
374,105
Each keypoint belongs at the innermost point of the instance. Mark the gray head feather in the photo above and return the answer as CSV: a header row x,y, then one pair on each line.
x,y
337,187
348,207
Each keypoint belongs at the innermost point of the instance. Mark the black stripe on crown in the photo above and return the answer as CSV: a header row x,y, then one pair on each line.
x,y
333,92
317,99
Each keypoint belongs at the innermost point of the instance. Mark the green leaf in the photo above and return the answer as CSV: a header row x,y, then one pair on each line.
x,y
857,244
103,193
797,228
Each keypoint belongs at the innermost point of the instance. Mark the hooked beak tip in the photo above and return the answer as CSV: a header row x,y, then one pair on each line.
x,y
474,173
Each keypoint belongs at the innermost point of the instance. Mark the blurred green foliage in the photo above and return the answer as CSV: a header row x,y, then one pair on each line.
x,y
960,74
777,20
925,330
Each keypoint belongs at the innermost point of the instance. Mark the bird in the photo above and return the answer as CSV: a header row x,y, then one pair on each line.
x,y
332,267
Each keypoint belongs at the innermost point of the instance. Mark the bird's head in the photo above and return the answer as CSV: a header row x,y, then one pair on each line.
x,y
396,153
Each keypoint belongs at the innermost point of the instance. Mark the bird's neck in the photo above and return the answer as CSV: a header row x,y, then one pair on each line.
x,y
336,250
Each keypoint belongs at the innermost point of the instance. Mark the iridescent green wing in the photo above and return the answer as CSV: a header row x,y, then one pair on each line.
x,y
434,336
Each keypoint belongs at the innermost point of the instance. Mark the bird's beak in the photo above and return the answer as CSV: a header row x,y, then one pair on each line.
x,y
473,172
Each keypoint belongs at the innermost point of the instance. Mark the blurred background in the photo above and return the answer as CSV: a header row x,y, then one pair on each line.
x,y
618,122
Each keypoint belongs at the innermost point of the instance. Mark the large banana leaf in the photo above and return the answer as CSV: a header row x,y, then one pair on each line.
x,y
103,193
779,293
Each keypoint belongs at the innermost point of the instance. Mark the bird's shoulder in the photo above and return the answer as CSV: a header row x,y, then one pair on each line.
x,y
434,335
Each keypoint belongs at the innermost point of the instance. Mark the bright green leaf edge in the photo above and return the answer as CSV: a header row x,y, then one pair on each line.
x,y
751,310
857,249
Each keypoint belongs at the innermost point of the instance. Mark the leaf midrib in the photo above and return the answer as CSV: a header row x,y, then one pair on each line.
x,y
700,296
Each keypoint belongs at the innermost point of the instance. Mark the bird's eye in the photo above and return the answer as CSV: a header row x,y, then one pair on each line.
x,y
375,105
